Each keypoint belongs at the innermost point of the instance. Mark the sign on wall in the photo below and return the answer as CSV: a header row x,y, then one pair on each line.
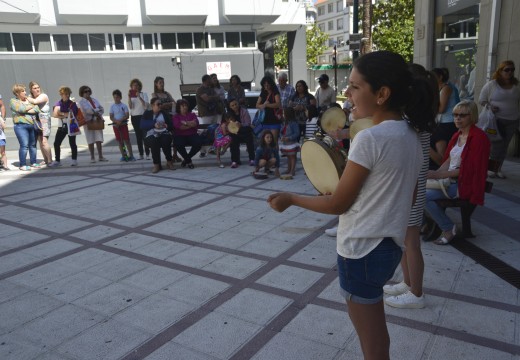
x,y
221,68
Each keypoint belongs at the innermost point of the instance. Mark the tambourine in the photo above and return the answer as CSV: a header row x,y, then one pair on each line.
x,y
359,125
332,120
259,175
233,127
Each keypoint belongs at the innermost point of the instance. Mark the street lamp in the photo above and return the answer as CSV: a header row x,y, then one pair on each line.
x,y
335,63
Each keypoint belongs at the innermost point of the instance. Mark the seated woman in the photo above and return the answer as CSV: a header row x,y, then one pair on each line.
x,y
156,126
185,124
245,133
465,163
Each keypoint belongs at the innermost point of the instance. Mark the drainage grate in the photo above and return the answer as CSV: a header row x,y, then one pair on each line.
x,y
490,262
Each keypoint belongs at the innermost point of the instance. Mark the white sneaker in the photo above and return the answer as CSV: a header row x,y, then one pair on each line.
x,y
405,301
396,289
332,231
74,163
54,164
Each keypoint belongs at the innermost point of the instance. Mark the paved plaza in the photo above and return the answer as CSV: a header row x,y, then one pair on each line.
x,y
108,261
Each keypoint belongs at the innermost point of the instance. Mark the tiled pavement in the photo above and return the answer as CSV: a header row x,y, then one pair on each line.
x,y
107,261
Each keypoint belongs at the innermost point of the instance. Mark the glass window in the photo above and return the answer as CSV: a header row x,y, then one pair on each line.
x,y
61,42
339,41
339,6
232,39
321,59
42,42
168,41
79,42
248,39
5,42
97,42
321,10
331,42
217,40
148,41
22,42
133,41
339,24
200,41
330,8
330,25
185,40
321,27
119,42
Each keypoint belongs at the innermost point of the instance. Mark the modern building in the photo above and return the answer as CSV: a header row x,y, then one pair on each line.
x,y
106,43
335,19
470,38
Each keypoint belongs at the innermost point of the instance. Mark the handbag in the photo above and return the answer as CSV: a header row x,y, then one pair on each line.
x,y
37,123
98,123
439,184
487,121
80,118
259,117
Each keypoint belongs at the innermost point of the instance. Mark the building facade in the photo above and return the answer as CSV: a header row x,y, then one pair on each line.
x,y
104,44
335,18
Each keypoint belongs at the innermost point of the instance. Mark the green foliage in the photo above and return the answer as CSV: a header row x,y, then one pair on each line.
x,y
393,26
316,45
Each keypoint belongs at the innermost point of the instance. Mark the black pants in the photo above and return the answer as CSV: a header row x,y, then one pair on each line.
x,y
181,142
60,136
136,123
164,142
245,135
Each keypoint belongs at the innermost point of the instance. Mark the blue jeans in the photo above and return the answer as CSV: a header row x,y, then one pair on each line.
x,y
362,280
27,139
436,212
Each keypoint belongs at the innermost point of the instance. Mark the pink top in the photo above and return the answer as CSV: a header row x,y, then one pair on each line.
x,y
178,119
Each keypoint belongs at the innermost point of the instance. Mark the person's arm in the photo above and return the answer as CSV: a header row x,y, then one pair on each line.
x,y
2,108
57,113
484,94
40,99
349,186
260,103
442,172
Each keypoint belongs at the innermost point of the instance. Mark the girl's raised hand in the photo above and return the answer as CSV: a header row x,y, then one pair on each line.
x,y
279,201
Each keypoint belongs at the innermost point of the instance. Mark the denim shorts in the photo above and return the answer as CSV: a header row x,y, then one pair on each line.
x,y
362,280
2,142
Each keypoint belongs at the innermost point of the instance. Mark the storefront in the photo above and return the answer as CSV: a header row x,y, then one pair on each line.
x,y
456,37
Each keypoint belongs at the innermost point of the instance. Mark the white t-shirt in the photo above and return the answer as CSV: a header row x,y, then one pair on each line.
x,y
455,157
118,110
392,152
137,106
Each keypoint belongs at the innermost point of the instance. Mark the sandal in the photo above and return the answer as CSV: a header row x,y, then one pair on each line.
x,y
25,168
446,237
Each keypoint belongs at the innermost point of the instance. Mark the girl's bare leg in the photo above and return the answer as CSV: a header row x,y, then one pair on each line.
x,y
412,260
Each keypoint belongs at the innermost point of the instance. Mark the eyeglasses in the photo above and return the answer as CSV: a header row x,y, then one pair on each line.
x,y
509,70
459,115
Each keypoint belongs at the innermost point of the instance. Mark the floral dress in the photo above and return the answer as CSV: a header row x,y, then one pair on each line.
x,y
221,139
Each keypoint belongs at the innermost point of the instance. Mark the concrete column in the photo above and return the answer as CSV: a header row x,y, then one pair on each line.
x,y
297,51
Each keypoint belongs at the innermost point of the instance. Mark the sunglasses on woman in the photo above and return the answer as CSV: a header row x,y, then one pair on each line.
x,y
509,70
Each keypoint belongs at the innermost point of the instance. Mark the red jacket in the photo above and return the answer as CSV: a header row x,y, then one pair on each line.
x,y
473,166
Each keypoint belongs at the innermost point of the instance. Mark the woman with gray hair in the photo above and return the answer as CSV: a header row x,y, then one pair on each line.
x,y
465,164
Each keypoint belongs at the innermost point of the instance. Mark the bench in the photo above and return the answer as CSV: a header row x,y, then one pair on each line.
x,y
466,208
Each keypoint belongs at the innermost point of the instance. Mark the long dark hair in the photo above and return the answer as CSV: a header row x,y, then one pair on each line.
x,y
270,81
263,144
409,95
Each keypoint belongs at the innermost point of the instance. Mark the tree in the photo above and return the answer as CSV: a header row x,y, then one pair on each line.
x,y
393,26
316,45
366,44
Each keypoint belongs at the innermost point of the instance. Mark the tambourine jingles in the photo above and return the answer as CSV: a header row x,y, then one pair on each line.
x,y
233,127
332,120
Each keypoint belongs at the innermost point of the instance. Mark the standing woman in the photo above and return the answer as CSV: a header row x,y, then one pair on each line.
x,y
389,153
138,103
41,99
92,110
24,115
236,91
448,98
502,94
64,109
165,98
269,100
300,102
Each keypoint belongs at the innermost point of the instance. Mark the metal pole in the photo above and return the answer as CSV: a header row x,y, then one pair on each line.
x,y
355,26
335,69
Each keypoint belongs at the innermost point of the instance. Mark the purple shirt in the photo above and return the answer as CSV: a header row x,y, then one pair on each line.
x,y
177,122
